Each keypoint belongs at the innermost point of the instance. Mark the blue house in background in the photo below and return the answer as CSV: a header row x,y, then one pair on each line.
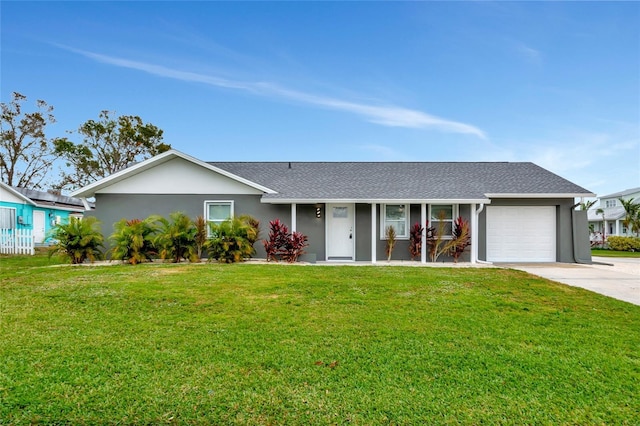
x,y
38,211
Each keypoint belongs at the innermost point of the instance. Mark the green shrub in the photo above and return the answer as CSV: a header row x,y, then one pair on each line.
x,y
232,240
78,240
623,243
176,238
133,240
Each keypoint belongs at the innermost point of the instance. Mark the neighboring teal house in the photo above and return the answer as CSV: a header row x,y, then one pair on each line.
x,y
39,211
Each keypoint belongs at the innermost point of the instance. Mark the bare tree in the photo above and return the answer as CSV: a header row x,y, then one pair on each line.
x,y
26,154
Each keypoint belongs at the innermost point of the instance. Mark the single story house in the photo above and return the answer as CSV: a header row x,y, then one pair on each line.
x,y
38,211
518,212
613,212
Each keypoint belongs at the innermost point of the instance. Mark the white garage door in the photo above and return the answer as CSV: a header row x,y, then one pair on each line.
x,y
521,234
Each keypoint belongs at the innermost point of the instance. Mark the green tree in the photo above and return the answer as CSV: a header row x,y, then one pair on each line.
x,y
26,154
108,145
632,215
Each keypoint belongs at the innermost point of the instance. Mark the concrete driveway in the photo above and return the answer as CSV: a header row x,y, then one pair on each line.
x,y
614,277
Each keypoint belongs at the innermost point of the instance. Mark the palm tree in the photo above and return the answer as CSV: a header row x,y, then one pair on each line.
x,y
587,205
632,216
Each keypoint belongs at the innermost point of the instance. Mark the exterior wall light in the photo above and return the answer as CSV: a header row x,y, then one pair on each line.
x,y
318,212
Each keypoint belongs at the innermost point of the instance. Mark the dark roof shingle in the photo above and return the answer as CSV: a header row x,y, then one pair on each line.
x,y
400,180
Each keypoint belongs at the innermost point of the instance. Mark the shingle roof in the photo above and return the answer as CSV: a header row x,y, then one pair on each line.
x,y
400,180
611,213
622,193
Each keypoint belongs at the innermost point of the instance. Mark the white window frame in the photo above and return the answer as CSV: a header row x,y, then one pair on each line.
x,y
383,221
610,203
13,219
454,215
207,203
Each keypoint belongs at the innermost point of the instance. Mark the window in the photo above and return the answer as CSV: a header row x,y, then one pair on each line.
x,y
442,215
7,218
396,215
610,203
218,211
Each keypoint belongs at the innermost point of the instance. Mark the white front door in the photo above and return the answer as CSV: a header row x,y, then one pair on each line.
x,y
340,231
38,226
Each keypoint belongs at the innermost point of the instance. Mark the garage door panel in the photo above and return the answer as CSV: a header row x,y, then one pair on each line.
x,y
521,233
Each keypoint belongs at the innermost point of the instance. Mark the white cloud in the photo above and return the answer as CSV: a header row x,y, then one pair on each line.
x,y
386,115
530,54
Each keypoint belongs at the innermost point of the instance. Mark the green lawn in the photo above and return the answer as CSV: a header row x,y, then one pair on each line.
x,y
293,344
614,253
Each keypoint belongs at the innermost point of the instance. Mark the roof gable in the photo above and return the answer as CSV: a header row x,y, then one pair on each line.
x,y
11,195
136,175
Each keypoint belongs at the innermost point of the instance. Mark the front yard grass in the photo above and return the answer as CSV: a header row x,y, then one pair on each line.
x,y
281,344
614,253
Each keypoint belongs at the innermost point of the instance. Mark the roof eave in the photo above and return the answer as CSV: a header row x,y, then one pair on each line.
x,y
17,194
267,200
90,190
542,195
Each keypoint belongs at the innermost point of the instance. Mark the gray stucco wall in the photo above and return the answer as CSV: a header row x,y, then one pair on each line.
x,y
312,227
401,249
564,227
581,243
110,208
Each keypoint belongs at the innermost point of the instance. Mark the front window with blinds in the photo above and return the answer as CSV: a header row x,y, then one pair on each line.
x,y
396,215
218,211
7,218
441,218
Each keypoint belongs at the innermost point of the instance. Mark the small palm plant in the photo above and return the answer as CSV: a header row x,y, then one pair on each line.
x,y
133,240
176,238
461,238
231,241
201,234
390,233
78,240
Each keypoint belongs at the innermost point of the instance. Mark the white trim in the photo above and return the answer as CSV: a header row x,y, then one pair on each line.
x,y
206,212
423,221
90,190
17,194
383,221
294,218
521,195
371,201
455,212
15,218
374,227
55,207
85,203
474,234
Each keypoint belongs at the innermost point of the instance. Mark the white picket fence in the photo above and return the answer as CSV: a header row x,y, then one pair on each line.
x,y
16,241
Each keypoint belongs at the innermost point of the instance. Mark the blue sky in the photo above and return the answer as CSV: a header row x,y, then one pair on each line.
x,y
555,83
